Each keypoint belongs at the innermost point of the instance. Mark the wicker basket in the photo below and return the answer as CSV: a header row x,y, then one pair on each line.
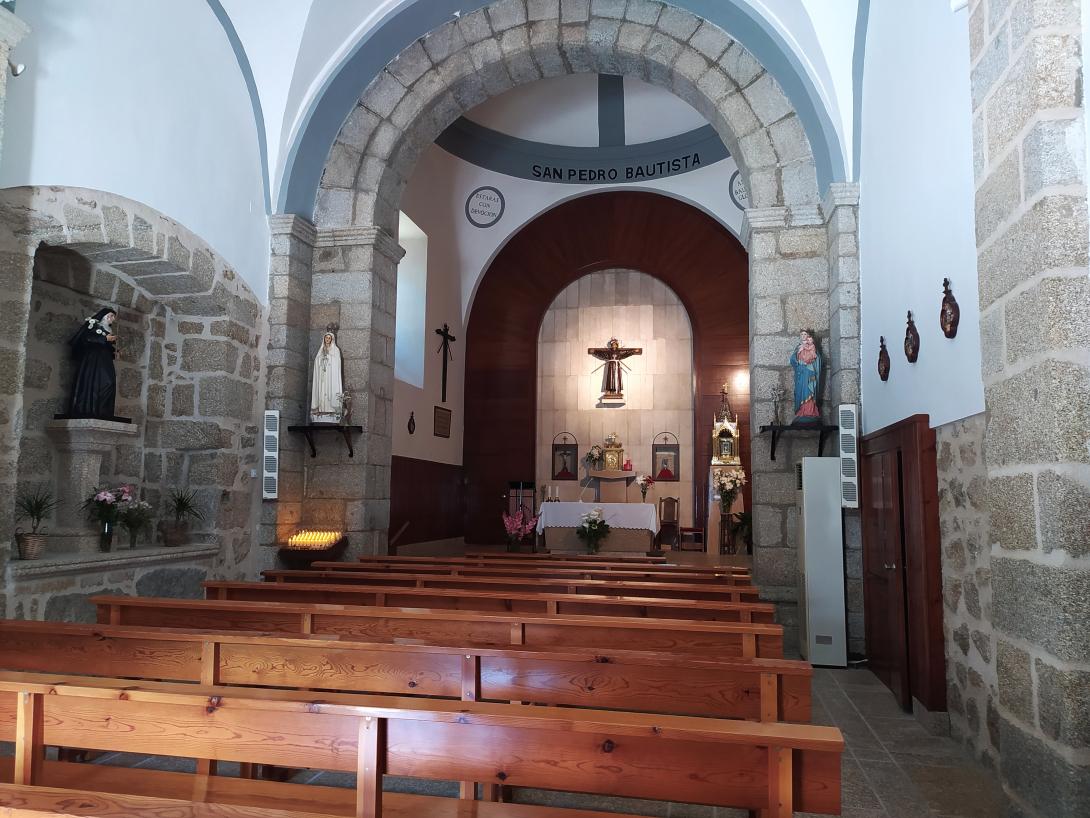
x,y
31,546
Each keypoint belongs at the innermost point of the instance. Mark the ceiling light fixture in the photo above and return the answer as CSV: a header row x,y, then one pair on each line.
x,y
16,68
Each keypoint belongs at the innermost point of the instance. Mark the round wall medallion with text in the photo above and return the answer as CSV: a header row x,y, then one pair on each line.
x,y
484,207
738,193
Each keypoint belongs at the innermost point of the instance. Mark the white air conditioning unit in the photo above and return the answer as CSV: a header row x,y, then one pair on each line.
x,y
270,455
849,455
823,636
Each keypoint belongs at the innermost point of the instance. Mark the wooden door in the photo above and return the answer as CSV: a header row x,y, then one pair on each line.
x,y
883,574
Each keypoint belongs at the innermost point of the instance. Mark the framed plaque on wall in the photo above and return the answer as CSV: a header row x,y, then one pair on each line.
x,y
441,422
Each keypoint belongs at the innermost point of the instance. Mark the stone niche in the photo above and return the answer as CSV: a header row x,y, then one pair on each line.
x,y
187,376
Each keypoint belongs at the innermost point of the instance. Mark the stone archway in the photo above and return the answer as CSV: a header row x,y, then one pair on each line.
x,y
803,270
191,388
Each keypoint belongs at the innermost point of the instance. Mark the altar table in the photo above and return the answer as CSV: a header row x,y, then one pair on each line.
x,y
633,526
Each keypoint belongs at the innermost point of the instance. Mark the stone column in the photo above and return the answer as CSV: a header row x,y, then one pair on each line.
x,y
12,30
355,286
288,364
789,281
1032,249
840,210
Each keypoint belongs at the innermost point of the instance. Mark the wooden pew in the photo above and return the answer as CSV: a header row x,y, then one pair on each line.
x,y
546,572
531,584
719,639
623,559
482,562
471,599
53,802
759,689
773,767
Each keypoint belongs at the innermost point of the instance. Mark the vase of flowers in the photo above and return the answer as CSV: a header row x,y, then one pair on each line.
x,y
181,508
727,485
519,527
35,506
644,481
104,507
135,516
592,529
594,457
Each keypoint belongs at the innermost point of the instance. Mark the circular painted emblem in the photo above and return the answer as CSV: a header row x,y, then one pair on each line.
x,y
738,193
484,207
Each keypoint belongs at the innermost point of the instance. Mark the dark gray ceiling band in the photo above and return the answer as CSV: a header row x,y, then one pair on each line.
x,y
542,162
610,110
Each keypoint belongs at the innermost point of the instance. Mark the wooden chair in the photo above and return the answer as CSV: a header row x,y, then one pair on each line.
x,y
669,521
697,533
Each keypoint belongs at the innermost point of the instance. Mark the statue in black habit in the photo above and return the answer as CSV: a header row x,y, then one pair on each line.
x,y
94,384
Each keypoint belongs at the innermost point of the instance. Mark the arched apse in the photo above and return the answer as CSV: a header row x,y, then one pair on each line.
x,y
305,156
665,238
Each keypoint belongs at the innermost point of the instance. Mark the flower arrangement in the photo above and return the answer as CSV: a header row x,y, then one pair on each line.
x,y
592,529
778,394
104,507
518,526
727,485
644,481
595,456
135,515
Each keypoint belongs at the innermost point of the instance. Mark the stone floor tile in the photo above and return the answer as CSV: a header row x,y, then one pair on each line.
x,y
602,803
898,794
855,790
964,791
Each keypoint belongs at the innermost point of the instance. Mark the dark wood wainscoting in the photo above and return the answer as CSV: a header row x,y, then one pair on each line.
x,y
675,242
902,569
429,496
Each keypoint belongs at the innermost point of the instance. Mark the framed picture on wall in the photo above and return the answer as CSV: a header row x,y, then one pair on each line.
x,y
666,458
565,465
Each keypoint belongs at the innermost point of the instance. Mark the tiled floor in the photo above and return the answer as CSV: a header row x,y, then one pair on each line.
x,y
892,767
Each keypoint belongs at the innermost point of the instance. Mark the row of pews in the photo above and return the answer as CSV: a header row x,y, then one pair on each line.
x,y
624,677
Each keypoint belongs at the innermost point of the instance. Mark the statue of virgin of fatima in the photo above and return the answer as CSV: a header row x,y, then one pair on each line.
x,y
327,387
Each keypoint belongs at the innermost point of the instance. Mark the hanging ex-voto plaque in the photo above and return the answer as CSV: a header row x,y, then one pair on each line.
x,y
950,313
912,340
883,359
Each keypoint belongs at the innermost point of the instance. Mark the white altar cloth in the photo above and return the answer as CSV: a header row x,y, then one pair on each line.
x,y
618,515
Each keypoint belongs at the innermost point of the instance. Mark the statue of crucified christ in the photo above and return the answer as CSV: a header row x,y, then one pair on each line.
x,y
613,354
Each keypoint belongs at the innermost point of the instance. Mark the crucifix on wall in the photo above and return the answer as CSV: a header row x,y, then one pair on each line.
x,y
613,354
444,349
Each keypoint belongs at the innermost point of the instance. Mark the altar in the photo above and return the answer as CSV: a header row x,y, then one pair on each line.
x,y
633,526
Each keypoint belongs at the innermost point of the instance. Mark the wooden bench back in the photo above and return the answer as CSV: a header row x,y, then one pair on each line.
x,y
769,766
641,574
528,564
716,639
544,556
532,584
764,689
471,599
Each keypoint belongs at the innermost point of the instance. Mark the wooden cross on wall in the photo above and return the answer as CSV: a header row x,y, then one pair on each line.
x,y
444,348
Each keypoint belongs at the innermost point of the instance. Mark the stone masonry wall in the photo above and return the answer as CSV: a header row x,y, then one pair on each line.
x,y
194,328
1028,99
788,293
971,679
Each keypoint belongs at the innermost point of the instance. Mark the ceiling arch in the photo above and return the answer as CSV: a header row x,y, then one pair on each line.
x,y
309,145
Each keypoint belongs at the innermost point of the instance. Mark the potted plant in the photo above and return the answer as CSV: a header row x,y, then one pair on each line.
x,y
644,481
518,526
592,529
135,515
181,508
103,507
35,506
